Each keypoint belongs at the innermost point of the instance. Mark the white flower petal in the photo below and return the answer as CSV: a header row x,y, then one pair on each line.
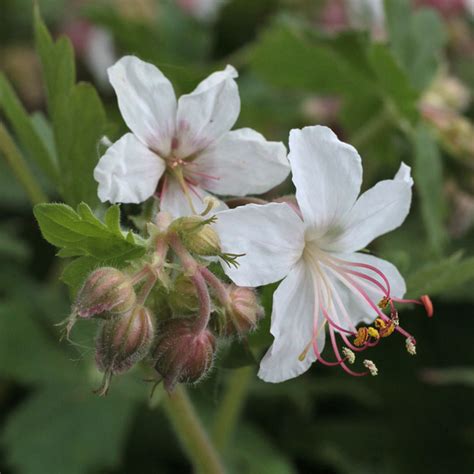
x,y
242,162
271,237
378,211
146,100
327,174
128,172
358,309
174,200
208,112
292,327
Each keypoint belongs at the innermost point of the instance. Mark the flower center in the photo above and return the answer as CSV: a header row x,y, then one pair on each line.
x,y
369,288
187,173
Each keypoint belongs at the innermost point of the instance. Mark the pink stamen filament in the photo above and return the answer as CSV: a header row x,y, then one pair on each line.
x,y
334,325
351,346
348,280
370,279
338,356
368,267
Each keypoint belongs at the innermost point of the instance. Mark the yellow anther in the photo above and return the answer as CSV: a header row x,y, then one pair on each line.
x,y
380,323
361,336
373,333
383,303
387,330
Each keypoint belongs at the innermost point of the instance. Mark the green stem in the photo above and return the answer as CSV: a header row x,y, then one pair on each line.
x,y
231,406
191,433
19,167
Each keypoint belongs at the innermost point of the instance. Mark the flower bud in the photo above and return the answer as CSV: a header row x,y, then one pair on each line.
x,y
106,289
181,354
124,340
244,311
198,235
183,297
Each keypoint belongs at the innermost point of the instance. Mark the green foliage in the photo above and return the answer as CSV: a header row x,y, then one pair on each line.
x,y
442,277
79,123
428,175
77,115
84,431
24,127
408,36
81,233
57,59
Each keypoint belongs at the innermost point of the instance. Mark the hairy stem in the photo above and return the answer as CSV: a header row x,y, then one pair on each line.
x,y
218,287
188,428
231,406
19,167
204,302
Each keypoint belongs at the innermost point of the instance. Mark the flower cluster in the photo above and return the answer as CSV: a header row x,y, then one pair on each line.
x,y
171,309
178,339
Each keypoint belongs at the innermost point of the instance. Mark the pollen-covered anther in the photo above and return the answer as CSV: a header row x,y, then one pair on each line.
x,y
383,303
372,368
411,347
361,337
385,328
373,333
349,356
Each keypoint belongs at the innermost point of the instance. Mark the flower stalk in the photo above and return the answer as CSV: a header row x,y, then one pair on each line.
x,y
192,435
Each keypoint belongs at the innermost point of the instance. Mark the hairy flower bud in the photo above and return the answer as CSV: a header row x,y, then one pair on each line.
x,y
244,311
106,292
124,340
198,235
106,289
181,354
183,297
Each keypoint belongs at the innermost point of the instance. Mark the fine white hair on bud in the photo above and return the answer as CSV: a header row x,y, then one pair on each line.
x,y
348,355
411,347
371,367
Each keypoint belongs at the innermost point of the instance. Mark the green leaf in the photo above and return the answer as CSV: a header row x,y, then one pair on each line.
x,y
84,433
27,352
57,59
79,123
25,130
81,233
287,57
417,39
441,277
393,82
428,175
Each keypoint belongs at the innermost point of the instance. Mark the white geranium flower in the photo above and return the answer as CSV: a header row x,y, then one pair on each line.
x,y
186,144
327,282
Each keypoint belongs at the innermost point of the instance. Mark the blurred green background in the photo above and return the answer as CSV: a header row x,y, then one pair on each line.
x,y
398,87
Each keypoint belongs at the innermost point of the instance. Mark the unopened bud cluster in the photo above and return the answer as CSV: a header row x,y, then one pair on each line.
x,y
171,312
